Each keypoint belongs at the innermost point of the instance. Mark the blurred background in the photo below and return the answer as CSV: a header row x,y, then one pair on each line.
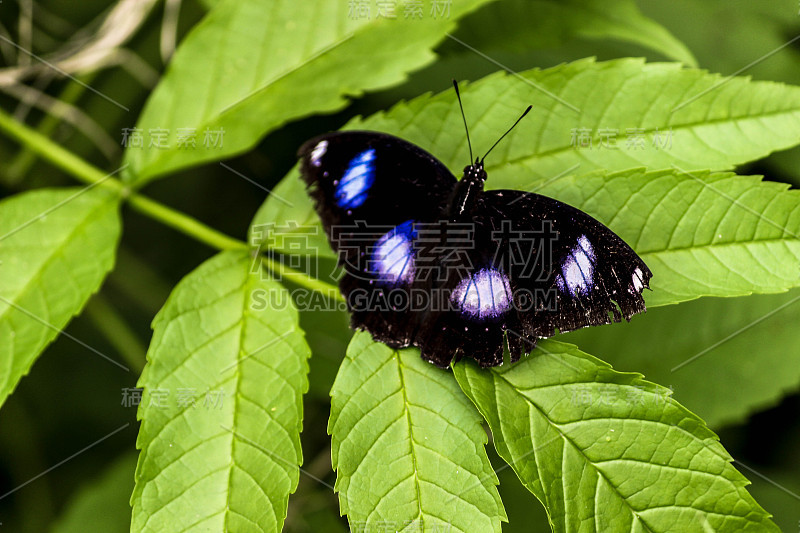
x,y
72,398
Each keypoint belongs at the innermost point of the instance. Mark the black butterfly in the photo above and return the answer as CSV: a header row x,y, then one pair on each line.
x,y
442,264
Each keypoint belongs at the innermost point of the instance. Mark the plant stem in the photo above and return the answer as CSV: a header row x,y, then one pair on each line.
x,y
302,279
184,223
87,173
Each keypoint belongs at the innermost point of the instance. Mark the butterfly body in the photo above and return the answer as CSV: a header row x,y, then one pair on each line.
x,y
466,192
443,264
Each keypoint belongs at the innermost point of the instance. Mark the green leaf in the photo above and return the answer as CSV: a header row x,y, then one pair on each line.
x,y
249,67
686,117
407,446
701,233
607,451
56,247
103,503
733,122
748,344
525,24
229,460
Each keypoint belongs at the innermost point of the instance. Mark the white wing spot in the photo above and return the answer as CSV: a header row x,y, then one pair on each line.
x,y
487,293
638,284
317,153
578,269
393,255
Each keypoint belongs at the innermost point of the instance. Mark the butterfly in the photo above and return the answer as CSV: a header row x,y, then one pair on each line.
x,y
459,271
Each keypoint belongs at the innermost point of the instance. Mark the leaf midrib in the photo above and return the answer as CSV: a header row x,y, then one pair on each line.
x,y
237,389
681,249
232,108
411,443
573,445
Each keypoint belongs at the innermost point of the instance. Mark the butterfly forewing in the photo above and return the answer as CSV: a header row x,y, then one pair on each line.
x,y
373,177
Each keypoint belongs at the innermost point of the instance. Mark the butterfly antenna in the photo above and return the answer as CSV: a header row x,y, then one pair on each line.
x,y
458,94
506,133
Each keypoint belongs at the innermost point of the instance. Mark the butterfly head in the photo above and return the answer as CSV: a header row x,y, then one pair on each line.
x,y
475,172
467,190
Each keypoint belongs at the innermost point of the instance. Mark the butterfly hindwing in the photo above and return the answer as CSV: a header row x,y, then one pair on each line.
x,y
536,266
473,299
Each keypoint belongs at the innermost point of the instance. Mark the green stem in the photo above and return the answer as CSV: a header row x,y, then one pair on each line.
x,y
184,223
87,173
302,279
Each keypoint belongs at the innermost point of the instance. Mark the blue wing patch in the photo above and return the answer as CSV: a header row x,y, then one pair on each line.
x,y
393,255
351,191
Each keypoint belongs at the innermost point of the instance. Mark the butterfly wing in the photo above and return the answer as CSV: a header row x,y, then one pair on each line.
x,y
537,266
527,267
471,299
374,177
369,190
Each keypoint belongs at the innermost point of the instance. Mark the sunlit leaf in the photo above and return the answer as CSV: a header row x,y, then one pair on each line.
x,y
701,233
407,446
222,406
681,346
607,451
56,247
250,67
